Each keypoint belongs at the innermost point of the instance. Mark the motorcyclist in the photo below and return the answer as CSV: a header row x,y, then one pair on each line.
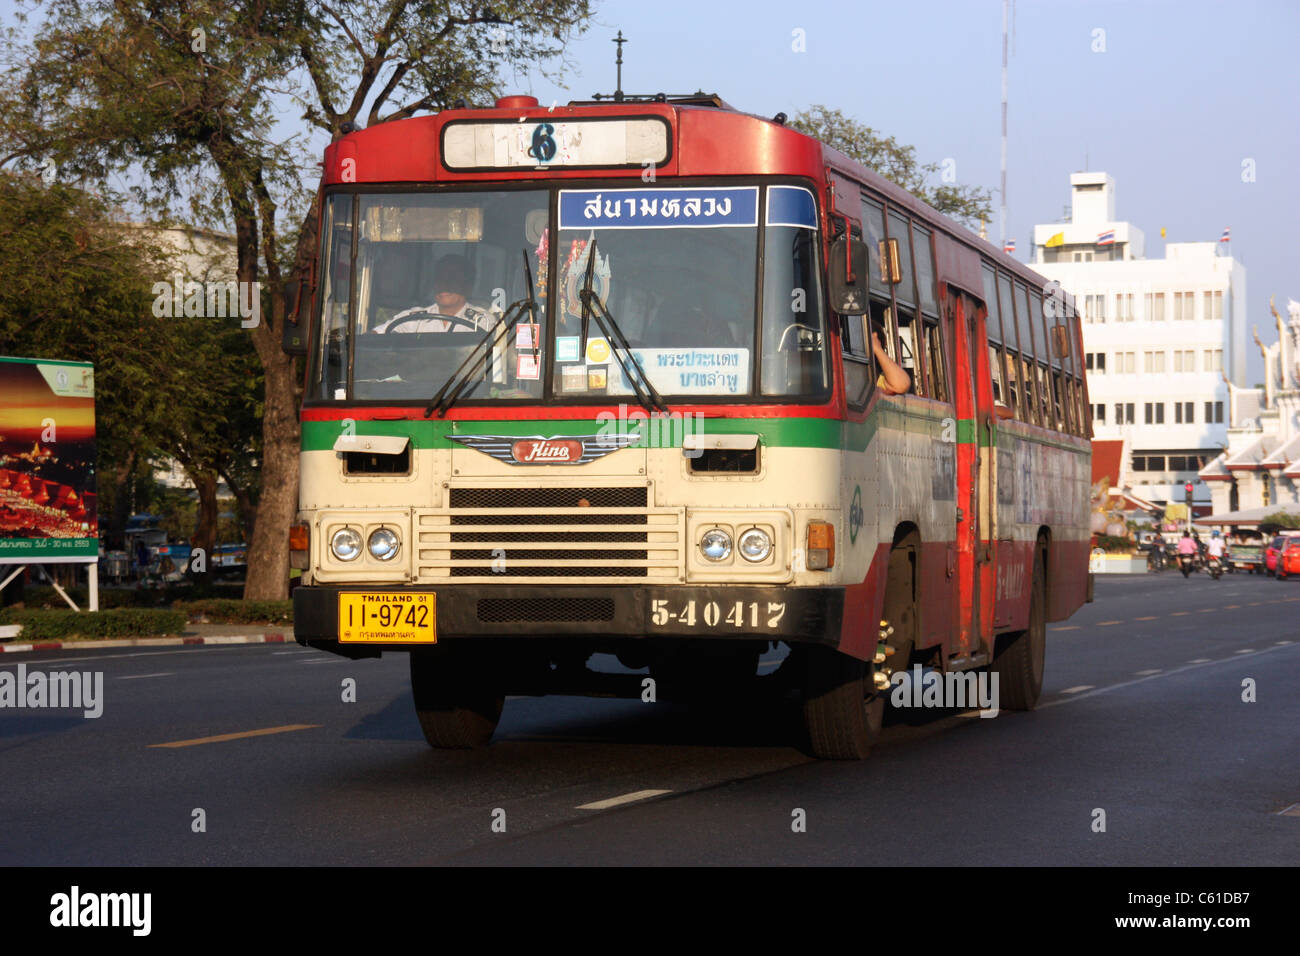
x,y
1186,545
1217,547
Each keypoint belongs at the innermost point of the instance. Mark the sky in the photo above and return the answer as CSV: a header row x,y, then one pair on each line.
x,y
1170,97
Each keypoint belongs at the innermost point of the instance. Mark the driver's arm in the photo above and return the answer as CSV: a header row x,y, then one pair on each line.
x,y
894,380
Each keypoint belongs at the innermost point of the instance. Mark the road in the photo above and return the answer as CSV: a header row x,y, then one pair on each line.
x,y
1142,718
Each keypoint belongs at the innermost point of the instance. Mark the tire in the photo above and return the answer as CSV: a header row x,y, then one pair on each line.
x,y
842,721
457,708
1019,661
842,710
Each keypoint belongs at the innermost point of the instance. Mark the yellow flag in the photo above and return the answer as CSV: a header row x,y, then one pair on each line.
x,y
1162,232
1056,240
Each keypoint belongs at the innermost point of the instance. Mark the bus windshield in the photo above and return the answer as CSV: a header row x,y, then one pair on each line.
x,y
413,282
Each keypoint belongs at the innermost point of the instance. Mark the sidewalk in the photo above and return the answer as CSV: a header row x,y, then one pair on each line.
x,y
198,634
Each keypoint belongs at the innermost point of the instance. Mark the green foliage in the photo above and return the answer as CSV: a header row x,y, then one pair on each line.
x,y
225,611
1281,519
896,162
48,625
1113,544
46,597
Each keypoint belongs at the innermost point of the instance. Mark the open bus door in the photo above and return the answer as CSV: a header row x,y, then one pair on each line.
x,y
973,396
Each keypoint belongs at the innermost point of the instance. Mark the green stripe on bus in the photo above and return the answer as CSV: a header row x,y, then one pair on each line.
x,y
774,432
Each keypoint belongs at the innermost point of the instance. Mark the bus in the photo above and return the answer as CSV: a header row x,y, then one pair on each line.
x,y
603,379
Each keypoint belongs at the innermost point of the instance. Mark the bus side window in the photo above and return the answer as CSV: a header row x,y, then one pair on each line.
x,y
858,368
907,341
1013,383
995,373
934,360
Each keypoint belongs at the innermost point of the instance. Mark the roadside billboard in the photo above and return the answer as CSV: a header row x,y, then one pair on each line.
x,y
47,461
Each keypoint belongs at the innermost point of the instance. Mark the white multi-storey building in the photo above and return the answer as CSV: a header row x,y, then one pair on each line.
x,y
1159,336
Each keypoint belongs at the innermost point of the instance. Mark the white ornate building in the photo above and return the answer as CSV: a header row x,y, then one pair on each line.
x,y
1260,470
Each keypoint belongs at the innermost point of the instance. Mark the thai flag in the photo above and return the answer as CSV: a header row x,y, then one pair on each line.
x,y
1227,234
1106,238
1009,246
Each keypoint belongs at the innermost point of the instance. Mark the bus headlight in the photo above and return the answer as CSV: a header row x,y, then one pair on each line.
x,y
346,544
383,544
755,545
716,545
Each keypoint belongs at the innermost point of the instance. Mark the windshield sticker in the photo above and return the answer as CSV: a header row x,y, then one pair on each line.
x,y
526,336
658,208
573,378
690,371
597,378
597,352
791,206
566,348
526,367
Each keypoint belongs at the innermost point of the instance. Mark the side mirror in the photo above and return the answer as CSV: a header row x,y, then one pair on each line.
x,y
848,276
1002,412
293,332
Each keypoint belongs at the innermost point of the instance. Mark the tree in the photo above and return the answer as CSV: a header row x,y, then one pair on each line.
x,y
1281,519
896,162
77,285
183,96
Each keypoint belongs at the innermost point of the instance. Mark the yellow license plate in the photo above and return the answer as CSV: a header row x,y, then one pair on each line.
x,y
387,617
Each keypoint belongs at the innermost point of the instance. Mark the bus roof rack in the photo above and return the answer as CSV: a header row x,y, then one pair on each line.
x,y
698,98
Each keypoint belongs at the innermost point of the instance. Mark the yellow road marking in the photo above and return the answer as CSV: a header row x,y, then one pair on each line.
x,y
239,736
1180,613
1150,617
1108,623
1068,627
1231,607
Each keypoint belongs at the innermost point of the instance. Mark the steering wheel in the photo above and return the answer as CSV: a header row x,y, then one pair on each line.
x,y
429,313
816,334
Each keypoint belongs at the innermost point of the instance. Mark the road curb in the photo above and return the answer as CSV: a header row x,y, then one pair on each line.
x,y
270,637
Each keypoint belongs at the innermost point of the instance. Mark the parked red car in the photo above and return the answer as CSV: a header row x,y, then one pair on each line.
x,y
1288,562
1275,548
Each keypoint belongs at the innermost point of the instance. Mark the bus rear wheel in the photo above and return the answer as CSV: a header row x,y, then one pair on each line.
x,y
457,707
1019,659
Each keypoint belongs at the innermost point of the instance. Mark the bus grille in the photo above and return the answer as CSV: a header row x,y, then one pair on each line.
x,y
600,534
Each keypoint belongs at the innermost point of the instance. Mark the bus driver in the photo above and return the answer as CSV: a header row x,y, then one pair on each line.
x,y
451,282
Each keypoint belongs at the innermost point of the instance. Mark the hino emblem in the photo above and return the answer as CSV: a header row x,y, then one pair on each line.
x,y
543,450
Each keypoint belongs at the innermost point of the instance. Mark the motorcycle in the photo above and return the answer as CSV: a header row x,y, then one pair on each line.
x,y
1216,567
1187,563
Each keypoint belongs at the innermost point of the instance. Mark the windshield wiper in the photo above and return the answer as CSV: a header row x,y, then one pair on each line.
x,y
456,383
593,307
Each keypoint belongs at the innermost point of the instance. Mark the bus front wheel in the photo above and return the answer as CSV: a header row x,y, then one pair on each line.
x,y
457,707
842,710
1019,658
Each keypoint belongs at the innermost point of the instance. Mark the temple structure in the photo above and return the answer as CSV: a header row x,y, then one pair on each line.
x,y
1259,472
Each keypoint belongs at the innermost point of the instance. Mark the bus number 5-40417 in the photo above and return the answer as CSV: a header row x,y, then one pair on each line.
x,y
739,614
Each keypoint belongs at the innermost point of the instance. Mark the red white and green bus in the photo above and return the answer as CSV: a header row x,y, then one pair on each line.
x,y
598,379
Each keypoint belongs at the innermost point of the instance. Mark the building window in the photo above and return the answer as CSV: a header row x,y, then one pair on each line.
x,y
1124,307
1125,363
1153,361
1214,413
1183,413
1094,307
1154,413
1214,305
1124,413
1177,463
1213,360
1184,360
1155,306
1095,362
1184,306
1082,257
1099,414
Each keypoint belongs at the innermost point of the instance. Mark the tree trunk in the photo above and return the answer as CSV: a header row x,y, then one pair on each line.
x,y
277,504
205,529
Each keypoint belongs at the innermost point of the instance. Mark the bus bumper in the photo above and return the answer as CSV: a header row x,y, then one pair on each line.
x,y
631,612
